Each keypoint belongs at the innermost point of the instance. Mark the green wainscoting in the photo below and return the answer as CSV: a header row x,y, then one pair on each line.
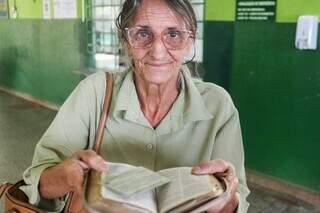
x,y
39,57
217,54
276,89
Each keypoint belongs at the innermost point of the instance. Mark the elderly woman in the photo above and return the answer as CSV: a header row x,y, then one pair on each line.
x,y
160,116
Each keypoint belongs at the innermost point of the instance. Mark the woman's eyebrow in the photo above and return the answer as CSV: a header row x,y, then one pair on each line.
x,y
143,26
173,28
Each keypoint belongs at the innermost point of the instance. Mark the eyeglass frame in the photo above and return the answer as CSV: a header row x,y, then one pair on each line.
x,y
191,34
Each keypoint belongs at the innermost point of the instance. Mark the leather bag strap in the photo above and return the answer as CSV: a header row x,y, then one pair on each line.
x,y
104,114
75,202
3,188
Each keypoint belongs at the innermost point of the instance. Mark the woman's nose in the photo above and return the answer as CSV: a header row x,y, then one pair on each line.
x,y
158,50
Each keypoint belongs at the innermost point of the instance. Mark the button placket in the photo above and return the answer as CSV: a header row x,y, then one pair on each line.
x,y
149,146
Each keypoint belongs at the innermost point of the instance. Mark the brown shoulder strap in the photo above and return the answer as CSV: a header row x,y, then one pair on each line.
x,y
3,188
75,201
104,114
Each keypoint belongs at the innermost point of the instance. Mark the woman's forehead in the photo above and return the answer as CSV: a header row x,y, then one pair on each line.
x,y
157,14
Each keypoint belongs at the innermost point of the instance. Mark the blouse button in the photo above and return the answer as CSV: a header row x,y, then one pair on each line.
x,y
149,146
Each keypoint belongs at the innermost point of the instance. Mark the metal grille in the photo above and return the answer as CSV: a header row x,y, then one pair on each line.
x,y
198,6
101,26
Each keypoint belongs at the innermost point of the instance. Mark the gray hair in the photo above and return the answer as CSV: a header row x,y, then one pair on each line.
x,y
130,8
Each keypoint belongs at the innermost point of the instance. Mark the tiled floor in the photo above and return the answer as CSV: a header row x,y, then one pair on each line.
x,y
22,124
268,201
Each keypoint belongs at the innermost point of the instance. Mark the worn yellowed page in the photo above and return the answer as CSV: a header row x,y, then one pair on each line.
x,y
131,185
183,187
133,181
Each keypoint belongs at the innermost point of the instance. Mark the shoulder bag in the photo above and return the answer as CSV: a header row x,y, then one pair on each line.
x,y
15,199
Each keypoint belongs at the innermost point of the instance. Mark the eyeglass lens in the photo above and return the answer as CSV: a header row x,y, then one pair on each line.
x,y
143,37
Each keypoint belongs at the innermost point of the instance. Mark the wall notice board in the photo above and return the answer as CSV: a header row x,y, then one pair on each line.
x,y
3,9
256,10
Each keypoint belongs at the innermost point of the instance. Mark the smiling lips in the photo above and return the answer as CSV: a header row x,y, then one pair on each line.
x,y
157,64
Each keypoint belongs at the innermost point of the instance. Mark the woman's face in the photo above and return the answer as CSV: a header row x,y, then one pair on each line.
x,y
156,63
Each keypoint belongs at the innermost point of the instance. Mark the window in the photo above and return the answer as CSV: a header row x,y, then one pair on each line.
x,y
198,6
102,37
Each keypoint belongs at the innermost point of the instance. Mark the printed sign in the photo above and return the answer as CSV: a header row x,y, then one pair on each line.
x,y
253,10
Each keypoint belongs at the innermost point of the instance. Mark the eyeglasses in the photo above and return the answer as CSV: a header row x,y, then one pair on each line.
x,y
172,38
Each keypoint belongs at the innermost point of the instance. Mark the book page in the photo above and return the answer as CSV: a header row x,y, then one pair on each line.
x,y
131,185
214,203
183,187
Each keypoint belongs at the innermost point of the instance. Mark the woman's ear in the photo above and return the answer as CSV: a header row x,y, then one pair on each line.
x,y
190,51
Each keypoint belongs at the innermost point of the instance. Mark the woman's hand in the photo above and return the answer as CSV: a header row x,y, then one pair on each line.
x,y
223,169
69,175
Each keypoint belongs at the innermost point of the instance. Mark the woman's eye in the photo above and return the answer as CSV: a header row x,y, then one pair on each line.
x,y
174,34
143,34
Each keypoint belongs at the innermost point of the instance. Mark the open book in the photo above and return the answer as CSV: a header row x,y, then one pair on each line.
x,y
126,188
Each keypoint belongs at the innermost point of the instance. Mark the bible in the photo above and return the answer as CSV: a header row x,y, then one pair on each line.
x,y
126,188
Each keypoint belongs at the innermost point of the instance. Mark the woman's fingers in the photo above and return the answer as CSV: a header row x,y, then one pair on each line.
x,y
219,168
211,167
92,160
85,167
223,169
234,184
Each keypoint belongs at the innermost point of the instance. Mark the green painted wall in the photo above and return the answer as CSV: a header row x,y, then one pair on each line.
x,y
289,10
217,55
220,10
32,9
26,8
277,91
275,87
39,57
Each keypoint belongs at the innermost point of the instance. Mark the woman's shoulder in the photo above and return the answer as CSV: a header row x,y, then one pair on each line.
x,y
93,86
98,79
214,96
212,90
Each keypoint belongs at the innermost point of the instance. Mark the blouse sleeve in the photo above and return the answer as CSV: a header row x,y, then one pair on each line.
x,y
69,132
228,146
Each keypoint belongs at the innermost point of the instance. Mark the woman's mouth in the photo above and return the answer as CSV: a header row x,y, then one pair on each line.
x,y
157,64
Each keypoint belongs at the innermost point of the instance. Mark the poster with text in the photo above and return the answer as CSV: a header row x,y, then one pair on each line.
x,y
256,10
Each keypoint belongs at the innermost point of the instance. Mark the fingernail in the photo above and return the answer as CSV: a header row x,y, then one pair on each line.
x,y
196,169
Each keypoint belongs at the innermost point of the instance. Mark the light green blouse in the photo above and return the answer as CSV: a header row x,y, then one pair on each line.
x,y
203,124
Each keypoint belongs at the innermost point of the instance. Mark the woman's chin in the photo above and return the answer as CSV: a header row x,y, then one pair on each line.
x,y
156,79
159,77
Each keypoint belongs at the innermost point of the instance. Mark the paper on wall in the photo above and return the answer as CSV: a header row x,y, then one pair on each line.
x,y
65,9
46,9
